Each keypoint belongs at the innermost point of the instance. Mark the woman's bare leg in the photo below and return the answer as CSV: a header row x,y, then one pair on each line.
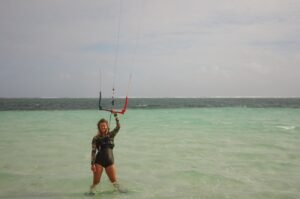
x,y
111,173
96,176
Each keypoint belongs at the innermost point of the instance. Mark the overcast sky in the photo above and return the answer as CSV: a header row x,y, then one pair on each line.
x,y
172,48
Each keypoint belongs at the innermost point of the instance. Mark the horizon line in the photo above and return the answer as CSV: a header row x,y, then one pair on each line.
x,y
174,97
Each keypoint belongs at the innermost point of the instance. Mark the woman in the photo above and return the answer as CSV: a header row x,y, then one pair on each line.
x,y
102,154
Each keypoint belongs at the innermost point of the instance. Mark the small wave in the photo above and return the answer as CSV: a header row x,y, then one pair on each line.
x,y
286,127
142,105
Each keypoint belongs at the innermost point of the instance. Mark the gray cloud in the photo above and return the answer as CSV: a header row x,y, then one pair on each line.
x,y
172,48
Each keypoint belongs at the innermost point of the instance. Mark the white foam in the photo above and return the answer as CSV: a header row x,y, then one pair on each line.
x,y
286,127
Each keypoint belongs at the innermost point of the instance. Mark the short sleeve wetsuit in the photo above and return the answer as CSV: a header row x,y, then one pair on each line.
x,y
102,148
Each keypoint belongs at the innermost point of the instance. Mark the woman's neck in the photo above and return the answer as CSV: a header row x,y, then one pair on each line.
x,y
102,133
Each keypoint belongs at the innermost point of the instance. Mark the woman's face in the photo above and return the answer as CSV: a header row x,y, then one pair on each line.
x,y
103,127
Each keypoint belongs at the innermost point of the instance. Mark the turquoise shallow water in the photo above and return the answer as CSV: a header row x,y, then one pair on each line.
x,y
160,153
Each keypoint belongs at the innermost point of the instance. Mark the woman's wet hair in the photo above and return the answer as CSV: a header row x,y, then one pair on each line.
x,y
102,121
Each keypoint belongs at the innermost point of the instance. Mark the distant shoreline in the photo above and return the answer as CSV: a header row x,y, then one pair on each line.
x,y
144,103
119,97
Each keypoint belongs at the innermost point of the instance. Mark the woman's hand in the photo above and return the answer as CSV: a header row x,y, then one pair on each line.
x,y
93,168
116,116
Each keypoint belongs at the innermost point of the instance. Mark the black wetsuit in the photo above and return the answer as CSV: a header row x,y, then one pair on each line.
x,y
102,148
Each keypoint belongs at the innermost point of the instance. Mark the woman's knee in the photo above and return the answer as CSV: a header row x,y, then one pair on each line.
x,y
97,181
97,174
